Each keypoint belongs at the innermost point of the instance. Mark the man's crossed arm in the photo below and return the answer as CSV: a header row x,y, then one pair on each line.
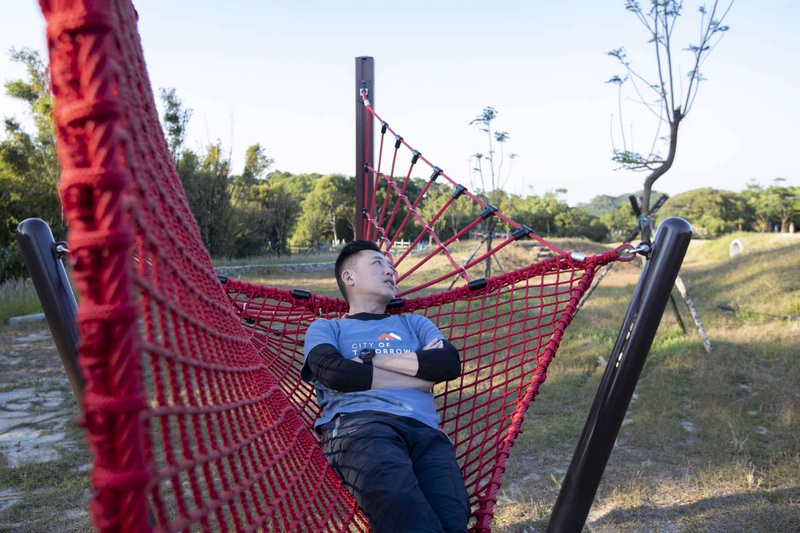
x,y
437,361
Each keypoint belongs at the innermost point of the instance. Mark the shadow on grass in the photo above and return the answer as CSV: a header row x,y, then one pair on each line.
x,y
776,510
765,280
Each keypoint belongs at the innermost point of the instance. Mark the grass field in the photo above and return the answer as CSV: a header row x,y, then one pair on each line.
x,y
711,442
274,259
17,297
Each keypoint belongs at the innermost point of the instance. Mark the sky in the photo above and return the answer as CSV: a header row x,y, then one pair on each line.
x,y
281,73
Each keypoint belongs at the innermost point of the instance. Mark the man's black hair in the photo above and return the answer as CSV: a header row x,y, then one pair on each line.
x,y
350,249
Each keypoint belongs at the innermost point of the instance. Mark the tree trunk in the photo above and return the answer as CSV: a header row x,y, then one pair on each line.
x,y
677,116
785,221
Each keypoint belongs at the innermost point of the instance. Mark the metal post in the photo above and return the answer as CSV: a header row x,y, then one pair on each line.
x,y
365,79
55,293
621,375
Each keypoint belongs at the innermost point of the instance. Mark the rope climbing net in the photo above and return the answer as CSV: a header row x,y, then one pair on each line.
x,y
194,407
395,211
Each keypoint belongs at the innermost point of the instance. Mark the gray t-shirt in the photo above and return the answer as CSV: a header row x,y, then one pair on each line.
x,y
387,335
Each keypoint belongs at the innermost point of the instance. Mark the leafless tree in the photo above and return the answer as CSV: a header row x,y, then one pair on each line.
x,y
495,192
667,98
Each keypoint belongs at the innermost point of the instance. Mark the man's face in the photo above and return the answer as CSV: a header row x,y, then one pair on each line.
x,y
371,273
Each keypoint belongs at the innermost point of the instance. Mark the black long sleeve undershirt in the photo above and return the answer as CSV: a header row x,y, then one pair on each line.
x,y
439,364
335,372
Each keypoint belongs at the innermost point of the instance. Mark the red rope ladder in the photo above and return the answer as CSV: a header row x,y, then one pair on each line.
x,y
194,408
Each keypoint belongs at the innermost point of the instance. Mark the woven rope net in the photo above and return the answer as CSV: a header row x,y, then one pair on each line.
x,y
194,407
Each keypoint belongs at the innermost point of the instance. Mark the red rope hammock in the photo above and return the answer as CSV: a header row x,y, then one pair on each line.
x,y
194,408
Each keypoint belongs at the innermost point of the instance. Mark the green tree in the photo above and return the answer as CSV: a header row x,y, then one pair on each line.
x,y
597,230
263,222
429,207
392,215
229,218
577,222
256,164
206,184
773,206
602,205
216,201
543,211
323,208
282,212
252,209
29,167
711,212
175,119
620,222
664,95
461,211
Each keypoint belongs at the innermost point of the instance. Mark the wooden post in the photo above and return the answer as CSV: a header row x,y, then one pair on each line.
x,y
695,315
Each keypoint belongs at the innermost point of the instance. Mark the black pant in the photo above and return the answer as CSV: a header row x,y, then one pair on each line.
x,y
402,473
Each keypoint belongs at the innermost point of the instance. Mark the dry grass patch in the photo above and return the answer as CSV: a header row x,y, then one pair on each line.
x,y
711,441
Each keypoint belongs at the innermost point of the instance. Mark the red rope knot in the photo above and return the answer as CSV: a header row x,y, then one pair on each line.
x,y
107,312
617,254
94,401
102,239
77,20
94,177
105,478
82,111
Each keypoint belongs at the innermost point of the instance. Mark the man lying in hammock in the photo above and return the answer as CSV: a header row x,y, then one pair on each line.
x,y
373,374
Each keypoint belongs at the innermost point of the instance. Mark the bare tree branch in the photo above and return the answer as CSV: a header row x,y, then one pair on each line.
x,y
673,104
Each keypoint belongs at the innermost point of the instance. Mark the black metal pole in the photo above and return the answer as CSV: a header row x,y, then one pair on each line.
x,y
365,79
55,293
619,380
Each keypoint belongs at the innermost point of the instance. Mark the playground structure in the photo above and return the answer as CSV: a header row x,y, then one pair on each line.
x,y
190,387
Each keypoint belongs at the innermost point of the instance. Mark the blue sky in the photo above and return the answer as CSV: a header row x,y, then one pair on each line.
x,y
281,73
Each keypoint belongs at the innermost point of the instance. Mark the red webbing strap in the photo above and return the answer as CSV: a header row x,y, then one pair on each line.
x,y
507,333
188,427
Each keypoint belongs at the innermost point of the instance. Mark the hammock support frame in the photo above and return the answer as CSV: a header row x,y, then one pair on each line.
x,y
365,149
43,260
621,376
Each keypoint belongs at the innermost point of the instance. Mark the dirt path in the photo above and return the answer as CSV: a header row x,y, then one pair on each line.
x,y
43,461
